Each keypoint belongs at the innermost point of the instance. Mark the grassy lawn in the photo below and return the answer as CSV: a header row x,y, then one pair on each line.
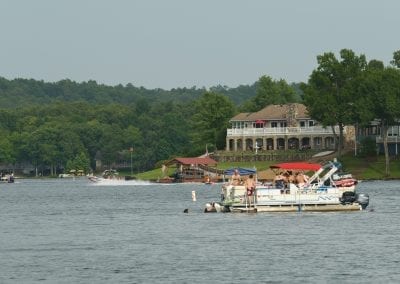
x,y
370,168
361,168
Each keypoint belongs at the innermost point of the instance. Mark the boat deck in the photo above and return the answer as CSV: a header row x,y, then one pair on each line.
x,y
298,208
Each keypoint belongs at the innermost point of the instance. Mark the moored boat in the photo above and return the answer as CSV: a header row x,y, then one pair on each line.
x,y
326,190
9,178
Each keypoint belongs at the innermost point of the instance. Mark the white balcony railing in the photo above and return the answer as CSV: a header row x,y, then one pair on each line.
x,y
390,139
272,131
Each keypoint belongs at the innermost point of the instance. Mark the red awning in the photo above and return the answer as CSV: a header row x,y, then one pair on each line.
x,y
297,166
259,121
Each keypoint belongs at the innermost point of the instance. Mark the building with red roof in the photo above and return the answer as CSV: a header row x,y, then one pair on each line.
x,y
194,169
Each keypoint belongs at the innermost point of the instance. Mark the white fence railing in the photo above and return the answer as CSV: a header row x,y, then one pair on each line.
x,y
316,130
390,139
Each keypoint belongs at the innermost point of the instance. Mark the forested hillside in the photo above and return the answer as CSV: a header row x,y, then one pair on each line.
x,y
68,125
24,92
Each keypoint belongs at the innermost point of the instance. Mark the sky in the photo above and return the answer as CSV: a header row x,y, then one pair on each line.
x,y
187,43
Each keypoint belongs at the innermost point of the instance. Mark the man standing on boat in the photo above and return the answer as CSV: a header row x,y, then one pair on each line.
x,y
250,186
279,181
235,179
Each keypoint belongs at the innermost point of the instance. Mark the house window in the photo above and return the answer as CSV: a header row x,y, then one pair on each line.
x,y
274,124
302,124
311,123
392,131
258,124
283,124
373,130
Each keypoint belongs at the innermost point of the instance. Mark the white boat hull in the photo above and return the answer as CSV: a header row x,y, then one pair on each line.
x,y
326,190
287,200
297,208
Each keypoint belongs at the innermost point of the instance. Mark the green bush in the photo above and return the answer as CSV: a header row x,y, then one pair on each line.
x,y
367,147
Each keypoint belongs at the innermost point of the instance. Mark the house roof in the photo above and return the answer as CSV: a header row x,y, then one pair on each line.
x,y
273,112
241,116
192,161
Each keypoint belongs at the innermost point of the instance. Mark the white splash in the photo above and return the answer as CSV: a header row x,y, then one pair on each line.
x,y
116,182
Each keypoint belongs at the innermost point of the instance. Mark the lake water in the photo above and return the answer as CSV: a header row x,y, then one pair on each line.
x,y
72,231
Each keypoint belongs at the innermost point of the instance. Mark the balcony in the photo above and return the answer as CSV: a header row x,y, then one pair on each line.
x,y
275,131
390,139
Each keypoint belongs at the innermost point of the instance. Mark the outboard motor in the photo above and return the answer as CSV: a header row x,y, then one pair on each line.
x,y
348,197
363,200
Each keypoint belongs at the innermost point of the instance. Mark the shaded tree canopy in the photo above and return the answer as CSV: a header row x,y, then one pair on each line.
x,y
59,125
329,94
380,89
210,119
396,59
270,92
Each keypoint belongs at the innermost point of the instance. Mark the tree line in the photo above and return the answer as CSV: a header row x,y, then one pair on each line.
x,y
68,125
353,91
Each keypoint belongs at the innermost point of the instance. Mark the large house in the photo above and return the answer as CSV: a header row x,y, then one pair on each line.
x,y
281,127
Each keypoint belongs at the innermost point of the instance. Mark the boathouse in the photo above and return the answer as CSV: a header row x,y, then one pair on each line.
x,y
190,169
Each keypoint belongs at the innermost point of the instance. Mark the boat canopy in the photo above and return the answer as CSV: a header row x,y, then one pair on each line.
x,y
242,171
297,166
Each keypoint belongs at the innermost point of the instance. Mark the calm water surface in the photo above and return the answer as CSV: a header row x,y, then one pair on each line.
x,y
72,231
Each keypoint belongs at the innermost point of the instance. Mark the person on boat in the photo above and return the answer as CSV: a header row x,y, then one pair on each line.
x,y
250,186
279,181
11,178
301,179
288,178
235,179
291,178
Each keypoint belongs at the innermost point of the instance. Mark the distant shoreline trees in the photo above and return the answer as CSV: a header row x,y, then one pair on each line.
x,y
57,126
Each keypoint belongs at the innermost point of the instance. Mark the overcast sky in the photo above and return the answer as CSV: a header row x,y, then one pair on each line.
x,y
185,43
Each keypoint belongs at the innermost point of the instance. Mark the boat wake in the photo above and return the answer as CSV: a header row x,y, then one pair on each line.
x,y
111,182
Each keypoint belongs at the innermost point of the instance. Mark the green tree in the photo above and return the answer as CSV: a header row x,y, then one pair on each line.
x,y
396,59
7,152
329,95
212,112
80,162
90,134
367,147
21,142
44,145
164,133
112,143
381,100
270,92
69,145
